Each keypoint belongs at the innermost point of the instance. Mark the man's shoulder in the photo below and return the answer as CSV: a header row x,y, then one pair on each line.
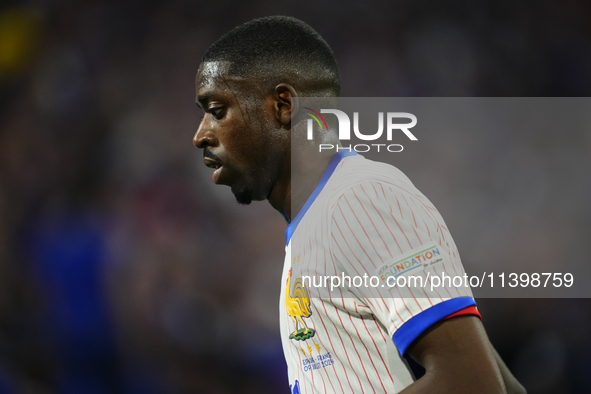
x,y
357,170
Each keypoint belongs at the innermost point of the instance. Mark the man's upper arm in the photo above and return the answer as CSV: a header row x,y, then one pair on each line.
x,y
458,358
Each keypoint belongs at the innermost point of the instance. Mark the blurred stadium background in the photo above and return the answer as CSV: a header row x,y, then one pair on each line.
x,y
123,270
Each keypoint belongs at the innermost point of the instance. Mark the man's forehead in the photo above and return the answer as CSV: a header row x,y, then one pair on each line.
x,y
210,79
210,71
213,77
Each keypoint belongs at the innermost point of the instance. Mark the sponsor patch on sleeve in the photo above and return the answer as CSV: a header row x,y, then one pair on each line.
x,y
414,261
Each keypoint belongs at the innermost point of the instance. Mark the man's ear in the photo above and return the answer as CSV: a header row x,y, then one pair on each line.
x,y
286,103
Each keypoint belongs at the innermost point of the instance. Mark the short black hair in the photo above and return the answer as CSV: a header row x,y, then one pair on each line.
x,y
279,49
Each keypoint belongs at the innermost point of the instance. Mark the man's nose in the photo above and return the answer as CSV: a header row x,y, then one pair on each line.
x,y
204,136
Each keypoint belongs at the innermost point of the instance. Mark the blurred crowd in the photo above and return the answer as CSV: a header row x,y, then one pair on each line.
x,y
124,270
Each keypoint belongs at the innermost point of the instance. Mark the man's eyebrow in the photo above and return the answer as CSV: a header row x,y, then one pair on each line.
x,y
204,97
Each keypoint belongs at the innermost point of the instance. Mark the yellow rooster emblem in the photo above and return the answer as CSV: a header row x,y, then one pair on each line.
x,y
298,307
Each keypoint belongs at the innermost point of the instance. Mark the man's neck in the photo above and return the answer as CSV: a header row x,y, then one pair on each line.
x,y
301,182
302,170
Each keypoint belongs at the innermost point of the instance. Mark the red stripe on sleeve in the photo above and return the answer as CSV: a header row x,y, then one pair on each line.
x,y
471,310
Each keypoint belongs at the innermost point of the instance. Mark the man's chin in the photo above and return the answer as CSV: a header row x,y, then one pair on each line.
x,y
243,197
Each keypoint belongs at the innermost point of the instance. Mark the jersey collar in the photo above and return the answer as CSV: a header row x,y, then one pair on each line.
x,y
329,170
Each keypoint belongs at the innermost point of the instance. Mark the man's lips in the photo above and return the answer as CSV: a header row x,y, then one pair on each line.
x,y
212,163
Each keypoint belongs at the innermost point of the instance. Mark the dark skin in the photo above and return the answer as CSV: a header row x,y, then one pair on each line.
x,y
253,148
459,358
258,172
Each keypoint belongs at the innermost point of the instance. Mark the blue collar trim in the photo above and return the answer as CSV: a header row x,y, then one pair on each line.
x,y
329,170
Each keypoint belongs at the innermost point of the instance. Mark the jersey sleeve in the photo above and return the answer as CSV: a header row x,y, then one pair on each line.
x,y
394,235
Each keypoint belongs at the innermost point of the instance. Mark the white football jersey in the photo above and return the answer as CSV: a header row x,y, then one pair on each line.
x,y
364,217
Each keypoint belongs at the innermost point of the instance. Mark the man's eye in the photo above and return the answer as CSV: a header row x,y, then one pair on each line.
x,y
216,112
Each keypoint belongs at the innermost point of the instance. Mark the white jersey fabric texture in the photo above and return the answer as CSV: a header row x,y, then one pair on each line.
x,y
363,217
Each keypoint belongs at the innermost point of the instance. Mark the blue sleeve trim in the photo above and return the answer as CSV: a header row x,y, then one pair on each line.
x,y
418,324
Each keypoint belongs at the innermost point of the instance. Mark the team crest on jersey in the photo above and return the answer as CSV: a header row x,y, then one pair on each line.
x,y
297,306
